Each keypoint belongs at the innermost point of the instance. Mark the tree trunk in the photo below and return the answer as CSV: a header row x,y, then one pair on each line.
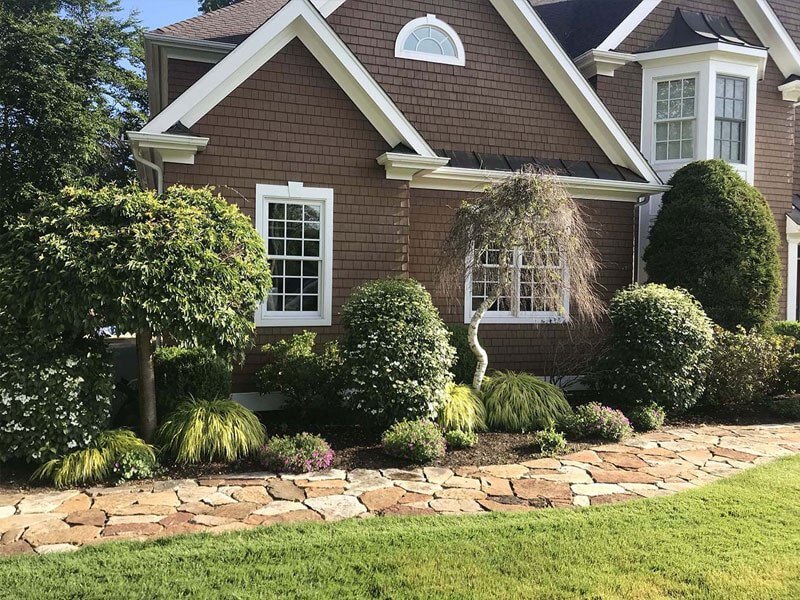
x,y
475,345
148,420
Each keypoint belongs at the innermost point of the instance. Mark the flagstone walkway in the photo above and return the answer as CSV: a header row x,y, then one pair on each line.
x,y
647,465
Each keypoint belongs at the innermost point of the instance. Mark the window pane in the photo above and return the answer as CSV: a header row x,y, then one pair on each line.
x,y
293,267
275,247
311,213
294,248
294,212
291,304
277,210
430,40
662,90
429,46
661,151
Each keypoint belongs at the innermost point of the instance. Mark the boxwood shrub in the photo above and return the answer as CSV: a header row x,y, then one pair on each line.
x,y
658,350
184,373
396,353
53,400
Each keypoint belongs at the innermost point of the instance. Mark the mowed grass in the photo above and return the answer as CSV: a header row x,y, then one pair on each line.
x,y
738,538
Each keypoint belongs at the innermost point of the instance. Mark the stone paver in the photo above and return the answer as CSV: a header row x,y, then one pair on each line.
x,y
654,464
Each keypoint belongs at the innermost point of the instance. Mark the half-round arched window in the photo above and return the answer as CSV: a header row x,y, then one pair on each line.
x,y
430,39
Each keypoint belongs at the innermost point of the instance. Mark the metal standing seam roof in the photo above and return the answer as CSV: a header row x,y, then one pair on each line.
x,y
690,28
794,214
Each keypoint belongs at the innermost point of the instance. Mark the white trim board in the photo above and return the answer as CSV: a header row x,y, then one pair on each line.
x,y
631,22
431,21
297,19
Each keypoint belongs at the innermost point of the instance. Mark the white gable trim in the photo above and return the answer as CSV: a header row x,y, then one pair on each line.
x,y
573,87
773,34
631,22
297,19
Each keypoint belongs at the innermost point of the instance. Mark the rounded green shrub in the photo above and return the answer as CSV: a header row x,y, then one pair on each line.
x,y
549,442
185,373
419,441
462,410
716,237
301,453
594,420
465,362
203,431
53,399
787,329
396,352
648,418
521,402
458,440
658,350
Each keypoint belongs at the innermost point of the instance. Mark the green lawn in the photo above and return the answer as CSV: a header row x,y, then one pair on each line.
x,y
739,538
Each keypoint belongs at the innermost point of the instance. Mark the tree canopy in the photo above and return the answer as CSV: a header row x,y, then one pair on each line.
x,y
72,84
716,237
206,6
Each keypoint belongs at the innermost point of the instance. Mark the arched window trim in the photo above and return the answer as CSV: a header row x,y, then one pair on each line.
x,y
431,21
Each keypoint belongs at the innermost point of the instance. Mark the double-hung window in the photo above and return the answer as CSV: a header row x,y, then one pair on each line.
x,y
676,119
540,287
730,124
296,224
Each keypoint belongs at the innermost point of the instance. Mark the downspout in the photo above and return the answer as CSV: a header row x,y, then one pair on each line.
x,y
143,161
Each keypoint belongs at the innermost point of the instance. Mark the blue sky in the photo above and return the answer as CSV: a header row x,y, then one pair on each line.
x,y
157,13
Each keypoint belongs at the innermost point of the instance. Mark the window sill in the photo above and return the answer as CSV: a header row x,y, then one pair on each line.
x,y
540,319
299,321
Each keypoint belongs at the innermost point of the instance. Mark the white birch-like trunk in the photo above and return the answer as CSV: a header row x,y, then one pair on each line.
x,y
475,345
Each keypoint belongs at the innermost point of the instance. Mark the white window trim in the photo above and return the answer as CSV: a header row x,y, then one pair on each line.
x,y
298,192
530,317
430,20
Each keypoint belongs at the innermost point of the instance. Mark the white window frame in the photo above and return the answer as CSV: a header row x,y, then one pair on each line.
x,y
430,21
668,121
536,316
297,192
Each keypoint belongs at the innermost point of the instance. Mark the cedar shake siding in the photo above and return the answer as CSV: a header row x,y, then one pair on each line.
x,y
499,102
775,121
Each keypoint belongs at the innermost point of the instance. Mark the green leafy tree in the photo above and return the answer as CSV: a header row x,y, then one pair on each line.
x,y
716,237
206,6
72,84
185,264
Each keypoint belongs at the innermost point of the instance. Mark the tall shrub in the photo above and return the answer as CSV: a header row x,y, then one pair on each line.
x,y
186,373
396,352
716,237
658,350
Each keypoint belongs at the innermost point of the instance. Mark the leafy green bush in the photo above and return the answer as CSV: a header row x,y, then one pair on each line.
x,y
521,402
787,328
458,440
786,407
647,418
465,362
396,352
303,375
185,373
209,431
462,410
594,420
132,466
788,379
301,453
94,463
53,399
716,237
744,367
418,441
549,441
658,349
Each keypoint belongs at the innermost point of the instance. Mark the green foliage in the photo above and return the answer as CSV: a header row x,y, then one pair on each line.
x,y
419,442
647,418
186,264
549,442
462,410
786,407
788,380
522,402
596,421
301,453
54,397
203,431
787,328
206,6
744,367
465,362
716,237
185,373
396,352
458,440
94,463
72,85
132,466
306,377
658,350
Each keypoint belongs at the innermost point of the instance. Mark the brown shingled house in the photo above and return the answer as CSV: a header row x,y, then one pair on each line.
x,y
350,129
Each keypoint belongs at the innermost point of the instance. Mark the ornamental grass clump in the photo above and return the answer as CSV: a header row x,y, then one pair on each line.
x,y
594,420
648,418
301,453
419,442
462,410
519,402
202,431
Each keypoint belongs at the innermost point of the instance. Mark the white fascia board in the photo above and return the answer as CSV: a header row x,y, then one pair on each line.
x,y
475,180
602,62
631,22
573,87
297,19
328,7
772,33
738,55
201,46
404,166
171,148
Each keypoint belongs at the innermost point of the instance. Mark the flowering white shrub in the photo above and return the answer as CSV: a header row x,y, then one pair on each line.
x,y
396,352
52,401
